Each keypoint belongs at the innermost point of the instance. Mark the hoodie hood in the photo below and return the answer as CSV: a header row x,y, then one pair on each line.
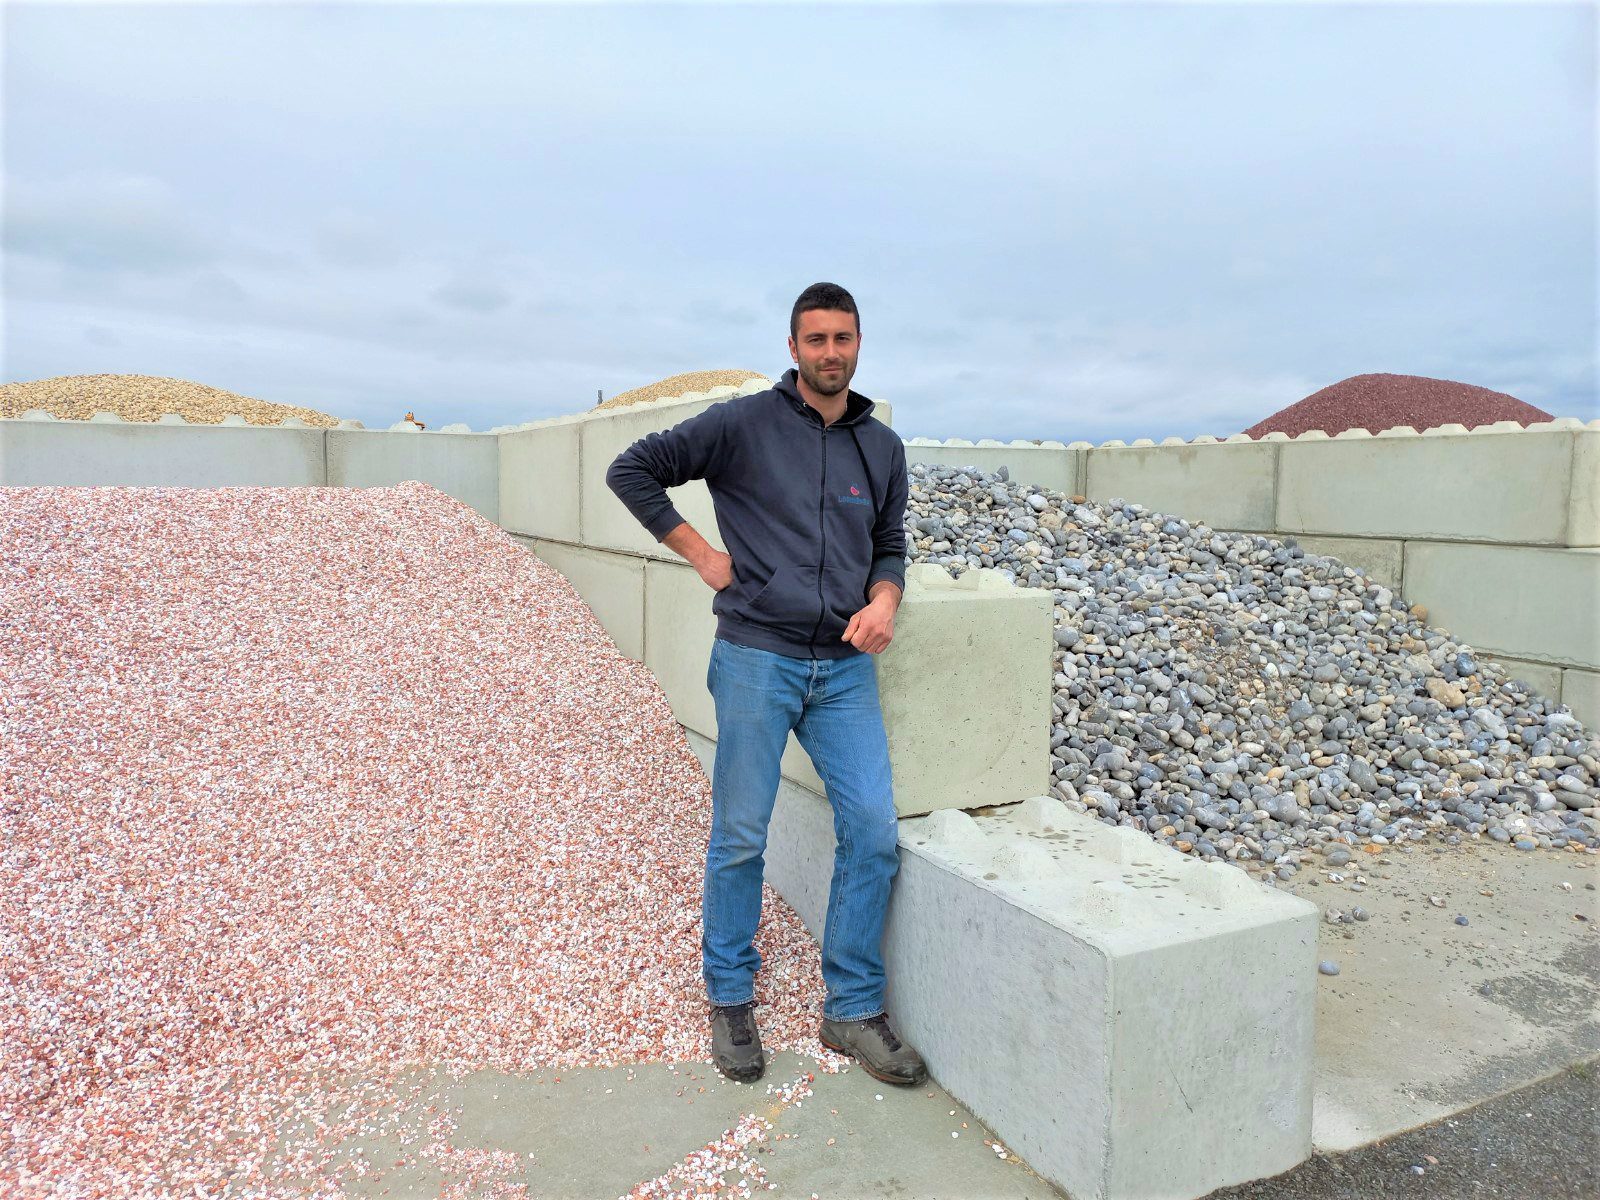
x,y
856,406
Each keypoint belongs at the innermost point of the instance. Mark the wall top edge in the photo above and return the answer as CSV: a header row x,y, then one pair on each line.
x,y
231,421
1558,425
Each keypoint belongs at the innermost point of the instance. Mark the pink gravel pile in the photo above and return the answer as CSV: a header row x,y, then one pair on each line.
x,y
1381,401
307,789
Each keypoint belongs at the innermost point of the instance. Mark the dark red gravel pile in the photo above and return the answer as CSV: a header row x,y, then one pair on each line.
x,y
1382,401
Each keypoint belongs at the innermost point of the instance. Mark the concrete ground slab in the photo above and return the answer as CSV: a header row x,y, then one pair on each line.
x,y
600,1132
1427,1017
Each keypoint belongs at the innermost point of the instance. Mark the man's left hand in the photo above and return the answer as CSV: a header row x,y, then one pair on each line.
x,y
872,629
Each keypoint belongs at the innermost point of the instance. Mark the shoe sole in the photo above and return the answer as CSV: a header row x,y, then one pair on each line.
x,y
867,1067
749,1076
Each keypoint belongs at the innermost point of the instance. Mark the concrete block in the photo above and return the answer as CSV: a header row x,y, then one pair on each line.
x,y
1051,466
612,585
107,451
1495,487
1580,691
1542,677
606,521
966,690
1381,559
1228,485
540,473
1109,1032
678,629
1583,516
1533,602
466,466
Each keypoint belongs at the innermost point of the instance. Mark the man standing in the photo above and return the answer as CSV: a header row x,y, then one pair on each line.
x,y
810,496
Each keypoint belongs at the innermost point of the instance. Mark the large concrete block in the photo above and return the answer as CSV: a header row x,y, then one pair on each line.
x,y
606,521
463,465
612,585
1525,601
1228,485
1382,560
1050,465
1089,1023
966,690
114,453
1580,691
540,471
1513,487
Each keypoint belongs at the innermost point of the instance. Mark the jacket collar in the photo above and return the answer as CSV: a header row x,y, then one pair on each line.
x,y
856,407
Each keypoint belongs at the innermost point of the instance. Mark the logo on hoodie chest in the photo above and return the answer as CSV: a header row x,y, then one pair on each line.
x,y
853,496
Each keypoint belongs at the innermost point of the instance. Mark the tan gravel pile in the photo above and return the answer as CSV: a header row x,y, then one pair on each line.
x,y
145,398
677,385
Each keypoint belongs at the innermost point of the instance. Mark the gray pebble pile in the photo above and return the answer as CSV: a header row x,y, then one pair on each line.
x,y
1239,698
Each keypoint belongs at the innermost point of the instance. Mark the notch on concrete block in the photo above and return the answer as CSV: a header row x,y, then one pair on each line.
x,y
233,419
953,832
1218,883
37,414
108,418
1040,814
1135,849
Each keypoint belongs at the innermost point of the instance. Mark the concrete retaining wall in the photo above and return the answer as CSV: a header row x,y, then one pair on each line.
x,y
1494,529
36,450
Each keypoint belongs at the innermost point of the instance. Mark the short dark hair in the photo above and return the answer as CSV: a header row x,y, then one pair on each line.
x,y
828,296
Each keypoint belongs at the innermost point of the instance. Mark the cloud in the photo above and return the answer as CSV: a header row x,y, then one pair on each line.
x,y
106,223
473,295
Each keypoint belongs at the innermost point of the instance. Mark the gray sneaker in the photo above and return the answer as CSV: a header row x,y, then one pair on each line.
x,y
873,1044
736,1043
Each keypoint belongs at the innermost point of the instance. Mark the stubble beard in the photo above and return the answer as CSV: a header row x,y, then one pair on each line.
x,y
817,383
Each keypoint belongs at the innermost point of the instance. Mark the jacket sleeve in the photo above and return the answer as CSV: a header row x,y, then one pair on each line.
x,y
641,474
889,532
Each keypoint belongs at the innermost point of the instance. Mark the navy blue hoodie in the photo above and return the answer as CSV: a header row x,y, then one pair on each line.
x,y
812,514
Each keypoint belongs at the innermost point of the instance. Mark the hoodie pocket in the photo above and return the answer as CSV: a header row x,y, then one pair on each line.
x,y
789,600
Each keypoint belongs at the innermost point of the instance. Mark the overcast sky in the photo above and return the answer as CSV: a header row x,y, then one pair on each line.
x,y
1059,221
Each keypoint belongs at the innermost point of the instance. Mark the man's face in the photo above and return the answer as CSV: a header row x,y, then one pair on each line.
x,y
825,349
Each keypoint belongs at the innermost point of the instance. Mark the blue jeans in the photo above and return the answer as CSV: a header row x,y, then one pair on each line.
x,y
831,704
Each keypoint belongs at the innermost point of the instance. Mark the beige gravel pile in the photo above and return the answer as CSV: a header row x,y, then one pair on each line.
x,y
677,385
145,398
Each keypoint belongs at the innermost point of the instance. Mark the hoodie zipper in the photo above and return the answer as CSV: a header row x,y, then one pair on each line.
x,y
822,530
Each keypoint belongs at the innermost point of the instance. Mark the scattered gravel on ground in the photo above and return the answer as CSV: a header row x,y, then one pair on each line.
x,y
1241,699
309,791
678,385
1380,401
144,398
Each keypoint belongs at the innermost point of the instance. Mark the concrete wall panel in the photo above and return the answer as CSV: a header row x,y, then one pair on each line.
x,y
463,465
1496,487
612,585
607,523
1525,601
1580,691
539,481
1583,522
1542,677
48,453
1228,485
1381,559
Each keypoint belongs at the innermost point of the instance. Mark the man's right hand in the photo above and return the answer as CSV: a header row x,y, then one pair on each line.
x,y
716,570
715,567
